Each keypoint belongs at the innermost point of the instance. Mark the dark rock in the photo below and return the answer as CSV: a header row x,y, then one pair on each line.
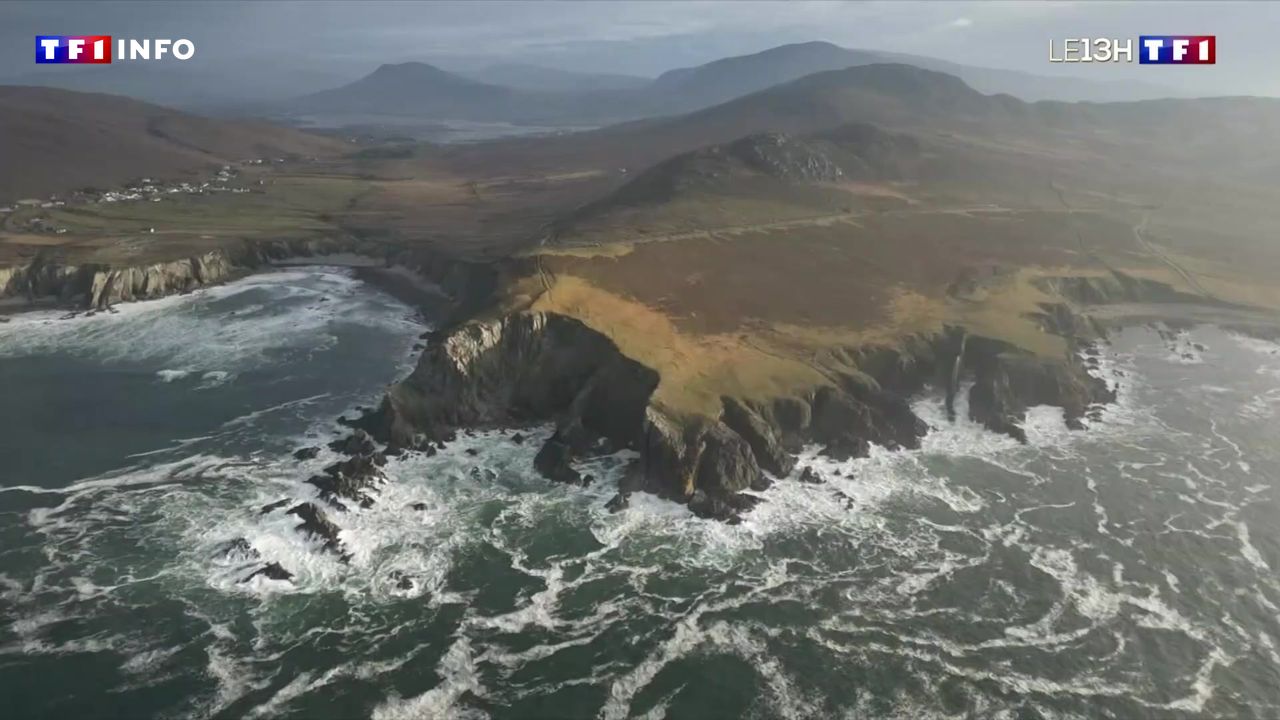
x,y
618,502
847,447
419,506
760,436
763,482
238,550
306,453
518,438
401,580
351,479
394,451
847,422
271,571
472,452
357,443
273,506
848,502
710,506
727,465
1007,382
317,524
553,463
809,475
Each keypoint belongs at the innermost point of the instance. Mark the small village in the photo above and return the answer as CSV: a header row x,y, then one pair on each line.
x,y
141,190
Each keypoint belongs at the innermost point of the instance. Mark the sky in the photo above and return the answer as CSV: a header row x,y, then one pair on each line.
x,y
271,48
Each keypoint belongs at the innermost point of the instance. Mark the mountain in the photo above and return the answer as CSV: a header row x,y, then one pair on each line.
x,y
1031,87
728,78
724,79
414,88
535,95
536,77
59,140
897,96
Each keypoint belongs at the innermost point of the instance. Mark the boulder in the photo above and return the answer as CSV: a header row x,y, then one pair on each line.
x,y
618,502
318,525
271,571
357,443
553,462
402,580
811,476
237,550
351,479
273,506
306,453
728,508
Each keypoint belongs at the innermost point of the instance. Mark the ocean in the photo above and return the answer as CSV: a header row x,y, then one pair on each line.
x,y
1124,571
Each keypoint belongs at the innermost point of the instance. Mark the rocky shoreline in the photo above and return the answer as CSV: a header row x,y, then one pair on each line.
x,y
523,367
529,367
48,280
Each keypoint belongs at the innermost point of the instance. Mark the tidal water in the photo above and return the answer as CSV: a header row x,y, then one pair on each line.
x,y
1127,571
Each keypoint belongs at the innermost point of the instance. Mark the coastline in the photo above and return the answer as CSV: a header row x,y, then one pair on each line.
x,y
524,366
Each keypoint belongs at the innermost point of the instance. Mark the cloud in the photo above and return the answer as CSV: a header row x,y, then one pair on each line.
x,y
963,22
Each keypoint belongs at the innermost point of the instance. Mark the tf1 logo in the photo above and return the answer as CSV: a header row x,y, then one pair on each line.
x,y
96,49
1151,50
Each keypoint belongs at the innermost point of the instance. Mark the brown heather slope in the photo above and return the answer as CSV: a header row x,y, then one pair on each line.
x,y
57,140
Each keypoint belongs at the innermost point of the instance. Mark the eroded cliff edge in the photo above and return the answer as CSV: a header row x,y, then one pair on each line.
x,y
97,286
526,366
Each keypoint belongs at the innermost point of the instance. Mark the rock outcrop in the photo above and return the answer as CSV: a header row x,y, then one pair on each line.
x,y
316,523
1008,381
271,571
357,477
98,285
537,366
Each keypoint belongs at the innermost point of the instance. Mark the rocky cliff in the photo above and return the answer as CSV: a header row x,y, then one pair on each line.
x,y
527,367
97,286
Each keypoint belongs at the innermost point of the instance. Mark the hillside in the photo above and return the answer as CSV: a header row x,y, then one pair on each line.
x,y
413,88
766,177
530,94
1217,132
59,140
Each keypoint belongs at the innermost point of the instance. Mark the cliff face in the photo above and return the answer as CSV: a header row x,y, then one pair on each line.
x,y
540,366
98,286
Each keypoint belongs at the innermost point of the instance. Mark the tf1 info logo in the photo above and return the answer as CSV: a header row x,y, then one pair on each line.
x,y
1150,49
96,49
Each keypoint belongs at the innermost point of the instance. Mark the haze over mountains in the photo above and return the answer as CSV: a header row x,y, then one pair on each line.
x,y
523,76
536,95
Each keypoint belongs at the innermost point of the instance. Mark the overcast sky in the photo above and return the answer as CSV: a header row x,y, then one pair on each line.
x,y
345,40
